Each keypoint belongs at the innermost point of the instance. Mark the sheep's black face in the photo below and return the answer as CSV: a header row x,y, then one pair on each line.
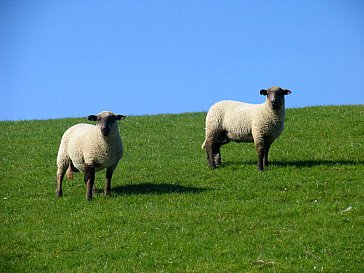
x,y
106,121
275,96
106,124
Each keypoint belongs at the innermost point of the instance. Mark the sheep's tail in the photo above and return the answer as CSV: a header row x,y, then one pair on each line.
x,y
203,145
69,172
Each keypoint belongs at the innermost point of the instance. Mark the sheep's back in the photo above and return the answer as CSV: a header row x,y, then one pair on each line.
x,y
234,118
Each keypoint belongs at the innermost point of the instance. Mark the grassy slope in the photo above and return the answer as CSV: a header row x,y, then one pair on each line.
x,y
169,213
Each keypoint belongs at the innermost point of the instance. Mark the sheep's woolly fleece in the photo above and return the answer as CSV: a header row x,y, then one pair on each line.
x,y
245,122
85,144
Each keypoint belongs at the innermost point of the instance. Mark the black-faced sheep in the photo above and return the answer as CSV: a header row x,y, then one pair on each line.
x,y
235,121
89,148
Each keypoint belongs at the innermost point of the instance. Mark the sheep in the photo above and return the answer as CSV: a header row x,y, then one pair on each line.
x,y
90,148
235,121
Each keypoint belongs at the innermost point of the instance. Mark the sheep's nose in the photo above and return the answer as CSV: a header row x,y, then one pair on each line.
x,y
104,131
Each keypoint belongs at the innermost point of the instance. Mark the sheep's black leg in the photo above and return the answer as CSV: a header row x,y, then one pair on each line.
x,y
266,151
260,152
210,153
90,180
220,140
60,175
59,185
216,154
94,190
109,173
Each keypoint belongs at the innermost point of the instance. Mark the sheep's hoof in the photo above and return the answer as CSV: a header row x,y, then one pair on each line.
x,y
58,193
89,197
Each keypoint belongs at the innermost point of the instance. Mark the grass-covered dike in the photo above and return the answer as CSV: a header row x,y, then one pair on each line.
x,y
168,212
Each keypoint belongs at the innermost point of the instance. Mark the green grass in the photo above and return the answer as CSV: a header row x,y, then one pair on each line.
x,y
168,212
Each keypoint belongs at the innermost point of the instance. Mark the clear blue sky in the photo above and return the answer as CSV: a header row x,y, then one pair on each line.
x,y
74,58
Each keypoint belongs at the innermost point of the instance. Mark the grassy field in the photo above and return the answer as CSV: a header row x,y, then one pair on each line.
x,y
168,212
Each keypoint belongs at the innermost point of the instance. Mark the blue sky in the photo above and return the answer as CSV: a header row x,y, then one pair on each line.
x,y
74,58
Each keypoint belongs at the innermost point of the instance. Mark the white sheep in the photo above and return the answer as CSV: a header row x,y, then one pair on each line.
x,y
89,148
235,121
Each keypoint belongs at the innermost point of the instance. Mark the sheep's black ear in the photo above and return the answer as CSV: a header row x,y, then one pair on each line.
x,y
120,117
92,117
264,92
286,92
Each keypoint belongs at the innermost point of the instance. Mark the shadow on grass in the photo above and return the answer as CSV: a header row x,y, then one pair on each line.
x,y
312,163
295,163
236,164
155,189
